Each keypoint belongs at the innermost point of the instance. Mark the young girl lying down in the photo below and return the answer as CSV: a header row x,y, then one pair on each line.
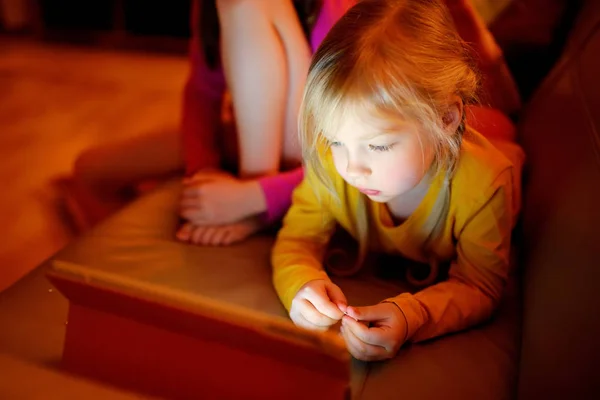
x,y
391,158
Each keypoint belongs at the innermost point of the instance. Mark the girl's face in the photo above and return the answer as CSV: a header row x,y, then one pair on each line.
x,y
380,159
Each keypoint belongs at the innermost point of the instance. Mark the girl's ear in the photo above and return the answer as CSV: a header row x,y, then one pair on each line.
x,y
453,116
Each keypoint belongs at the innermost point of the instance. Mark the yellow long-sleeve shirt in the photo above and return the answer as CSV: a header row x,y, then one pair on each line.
x,y
484,203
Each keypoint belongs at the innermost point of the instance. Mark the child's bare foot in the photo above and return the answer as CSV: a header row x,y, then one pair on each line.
x,y
218,201
222,235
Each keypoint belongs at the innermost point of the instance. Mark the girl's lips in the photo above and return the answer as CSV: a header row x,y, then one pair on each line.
x,y
369,192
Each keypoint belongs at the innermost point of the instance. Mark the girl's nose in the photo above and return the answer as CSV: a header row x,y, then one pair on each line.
x,y
357,169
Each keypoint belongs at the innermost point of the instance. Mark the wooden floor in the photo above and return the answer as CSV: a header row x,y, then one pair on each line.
x,y
56,101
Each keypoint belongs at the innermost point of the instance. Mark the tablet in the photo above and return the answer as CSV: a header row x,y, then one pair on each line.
x,y
169,343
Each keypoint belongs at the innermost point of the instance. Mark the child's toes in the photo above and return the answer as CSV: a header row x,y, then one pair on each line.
x,y
184,232
211,235
197,234
220,236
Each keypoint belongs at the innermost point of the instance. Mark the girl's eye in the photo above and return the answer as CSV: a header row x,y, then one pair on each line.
x,y
335,144
381,148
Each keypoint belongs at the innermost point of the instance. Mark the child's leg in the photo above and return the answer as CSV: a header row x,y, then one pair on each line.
x,y
264,53
266,99
499,88
298,56
104,177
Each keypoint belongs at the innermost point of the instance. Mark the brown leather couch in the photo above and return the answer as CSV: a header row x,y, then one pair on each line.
x,y
560,131
543,342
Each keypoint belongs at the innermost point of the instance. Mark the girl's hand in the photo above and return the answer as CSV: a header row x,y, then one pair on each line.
x,y
219,199
375,332
318,305
192,205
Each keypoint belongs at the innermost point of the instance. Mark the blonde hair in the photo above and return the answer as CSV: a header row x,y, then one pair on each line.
x,y
396,59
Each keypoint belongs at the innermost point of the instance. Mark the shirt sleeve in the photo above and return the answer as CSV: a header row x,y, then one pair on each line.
x,y
331,11
297,256
476,278
278,191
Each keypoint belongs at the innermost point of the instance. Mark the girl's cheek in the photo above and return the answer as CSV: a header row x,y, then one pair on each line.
x,y
339,162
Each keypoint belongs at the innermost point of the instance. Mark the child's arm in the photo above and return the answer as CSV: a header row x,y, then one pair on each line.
x,y
298,251
477,277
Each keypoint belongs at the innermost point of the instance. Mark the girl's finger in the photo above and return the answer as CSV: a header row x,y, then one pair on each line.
x,y
375,336
312,315
361,350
